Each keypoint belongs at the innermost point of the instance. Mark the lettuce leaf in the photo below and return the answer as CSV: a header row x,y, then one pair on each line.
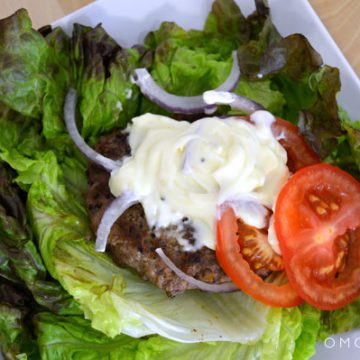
x,y
261,92
103,71
73,337
21,262
37,72
305,343
341,320
15,338
23,65
63,337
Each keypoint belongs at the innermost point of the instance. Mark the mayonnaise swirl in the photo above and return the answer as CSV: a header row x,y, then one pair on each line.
x,y
179,169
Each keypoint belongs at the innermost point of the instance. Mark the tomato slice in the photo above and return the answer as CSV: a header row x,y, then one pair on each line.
x,y
317,222
299,152
238,269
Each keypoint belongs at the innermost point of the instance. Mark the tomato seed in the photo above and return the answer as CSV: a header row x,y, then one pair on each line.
x,y
320,210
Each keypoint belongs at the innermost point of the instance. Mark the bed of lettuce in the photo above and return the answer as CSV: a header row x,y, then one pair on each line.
x,y
45,240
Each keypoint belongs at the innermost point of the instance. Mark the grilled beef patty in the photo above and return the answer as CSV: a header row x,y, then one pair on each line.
x,y
132,243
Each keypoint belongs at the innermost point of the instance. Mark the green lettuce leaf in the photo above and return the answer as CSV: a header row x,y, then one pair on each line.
x,y
191,62
66,337
346,155
73,337
261,92
341,320
305,343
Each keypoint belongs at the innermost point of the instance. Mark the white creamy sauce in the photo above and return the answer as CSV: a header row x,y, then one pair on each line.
x,y
179,169
272,238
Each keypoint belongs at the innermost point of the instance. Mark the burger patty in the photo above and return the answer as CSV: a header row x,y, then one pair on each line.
x,y
132,242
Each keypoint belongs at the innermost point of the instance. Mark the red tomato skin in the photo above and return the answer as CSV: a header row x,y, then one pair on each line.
x,y
300,153
236,267
303,239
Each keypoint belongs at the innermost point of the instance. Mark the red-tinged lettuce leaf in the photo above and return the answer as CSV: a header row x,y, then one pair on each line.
x,y
250,54
34,72
309,89
16,339
37,69
19,255
226,20
23,63
353,134
320,122
103,70
288,63
61,77
284,54
346,155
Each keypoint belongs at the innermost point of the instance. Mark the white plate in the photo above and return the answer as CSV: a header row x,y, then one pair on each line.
x,y
128,21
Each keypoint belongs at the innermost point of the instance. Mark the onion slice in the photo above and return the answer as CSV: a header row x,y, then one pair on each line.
x,y
225,287
70,121
111,214
237,102
183,104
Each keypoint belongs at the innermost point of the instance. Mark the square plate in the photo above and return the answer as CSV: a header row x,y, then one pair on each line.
x,y
128,21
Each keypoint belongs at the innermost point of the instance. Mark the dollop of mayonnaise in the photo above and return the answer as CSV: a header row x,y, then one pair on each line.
x,y
188,170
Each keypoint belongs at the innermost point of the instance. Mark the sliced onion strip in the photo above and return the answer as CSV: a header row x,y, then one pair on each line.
x,y
111,214
183,104
237,102
70,121
225,287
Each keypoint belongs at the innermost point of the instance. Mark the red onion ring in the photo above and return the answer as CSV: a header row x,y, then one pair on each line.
x,y
111,214
237,102
225,287
183,104
70,121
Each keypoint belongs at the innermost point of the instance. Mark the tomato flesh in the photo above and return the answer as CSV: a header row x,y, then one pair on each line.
x,y
238,269
299,152
256,250
317,222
